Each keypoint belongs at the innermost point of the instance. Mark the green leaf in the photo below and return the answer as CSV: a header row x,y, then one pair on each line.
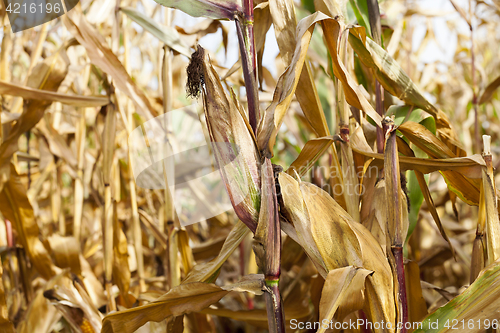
x,y
416,199
389,73
430,124
417,115
309,5
478,304
360,9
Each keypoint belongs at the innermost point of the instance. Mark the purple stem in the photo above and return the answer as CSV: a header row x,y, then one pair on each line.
x,y
379,100
244,28
272,246
275,316
397,251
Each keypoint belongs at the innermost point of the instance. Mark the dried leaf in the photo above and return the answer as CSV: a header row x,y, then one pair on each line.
x,y
167,35
342,285
15,206
353,94
258,317
121,271
102,57
489,90
425,140
74,304
469,166
426,194
47,75
478,257
40,308
262,23
285,24
215,9
310,153
66,251
234,146
333,240
287,83
12,89
5,324
392,77
417,307
93,286
466,189
57,143
285,88
185,298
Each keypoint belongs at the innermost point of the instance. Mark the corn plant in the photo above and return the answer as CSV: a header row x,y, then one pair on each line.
x,y
357,202
386,299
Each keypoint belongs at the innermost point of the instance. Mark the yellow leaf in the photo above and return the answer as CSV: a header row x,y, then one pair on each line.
x,y
343,286
7,88
332,239
182,299
15,206
102,56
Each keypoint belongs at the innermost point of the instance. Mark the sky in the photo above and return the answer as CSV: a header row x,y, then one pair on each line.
x,y
443,52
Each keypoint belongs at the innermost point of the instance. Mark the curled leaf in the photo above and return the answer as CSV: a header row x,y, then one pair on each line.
x,y
342,286
185,298
332,239
288,81
101,55
7,88
15,206
234,146
167,35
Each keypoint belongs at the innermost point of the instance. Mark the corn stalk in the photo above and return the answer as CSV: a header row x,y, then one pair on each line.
x,y
376,30
80,143
267,248
244,28
267,239
108,144
136,223
174,277
396,225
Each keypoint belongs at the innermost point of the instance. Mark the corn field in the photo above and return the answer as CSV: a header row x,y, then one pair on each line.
x,y
353,147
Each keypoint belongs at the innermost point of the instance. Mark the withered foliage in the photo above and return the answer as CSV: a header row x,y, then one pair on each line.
x,y
359,166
